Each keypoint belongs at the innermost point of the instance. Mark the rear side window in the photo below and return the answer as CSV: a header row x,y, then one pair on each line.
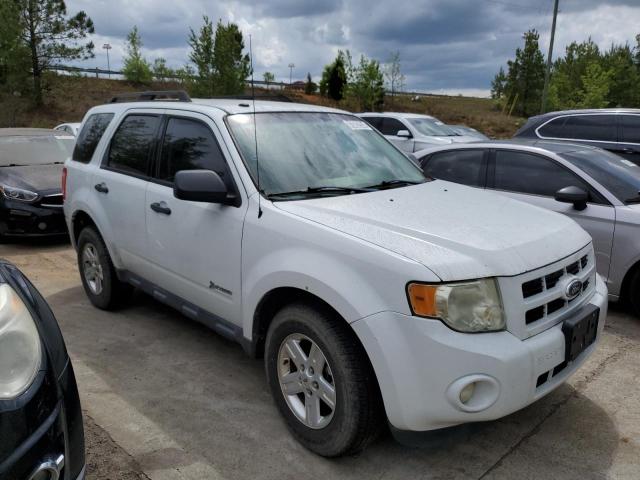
x,y
391,126
132,143
190,145
90,136
532,174
630,128
582,127
460,166
375,122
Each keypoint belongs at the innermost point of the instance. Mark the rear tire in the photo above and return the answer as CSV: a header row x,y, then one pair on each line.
x,y
98,274
300,337
633,292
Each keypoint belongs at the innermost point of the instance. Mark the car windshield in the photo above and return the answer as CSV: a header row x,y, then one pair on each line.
x,y
618,175
328,153
431,127
22,150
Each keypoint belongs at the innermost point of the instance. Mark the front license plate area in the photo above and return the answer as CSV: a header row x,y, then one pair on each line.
x,y
580,331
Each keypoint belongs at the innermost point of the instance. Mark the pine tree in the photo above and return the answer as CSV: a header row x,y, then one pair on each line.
x,y
269,78
310,87
231,65
334,78
596,82
136,68
498,84
202,55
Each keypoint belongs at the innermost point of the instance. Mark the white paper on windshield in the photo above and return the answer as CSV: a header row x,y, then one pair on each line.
x,y
357,125
439,123
628,162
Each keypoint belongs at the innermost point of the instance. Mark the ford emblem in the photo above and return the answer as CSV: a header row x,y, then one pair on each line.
x,y
573,289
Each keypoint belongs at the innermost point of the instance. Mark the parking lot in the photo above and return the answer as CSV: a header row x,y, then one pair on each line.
x,y
165,398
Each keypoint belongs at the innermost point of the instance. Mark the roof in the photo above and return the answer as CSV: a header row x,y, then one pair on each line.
x,y
394,114
524,144
27,132
588,111
231,105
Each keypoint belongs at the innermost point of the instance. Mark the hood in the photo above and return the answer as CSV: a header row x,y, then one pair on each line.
x,y
457,232
36,178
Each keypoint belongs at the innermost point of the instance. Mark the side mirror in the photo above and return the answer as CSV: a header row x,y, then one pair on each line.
x,y
574,195
404,134
201,186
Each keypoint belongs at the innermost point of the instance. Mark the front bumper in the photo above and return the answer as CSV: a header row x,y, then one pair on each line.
x,y
29,220
420,362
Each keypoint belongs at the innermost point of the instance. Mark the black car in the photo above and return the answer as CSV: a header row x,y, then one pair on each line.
x,y
31,162
41,433
616,130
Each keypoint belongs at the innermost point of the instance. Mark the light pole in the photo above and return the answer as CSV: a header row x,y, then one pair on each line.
x,y
545,91
107,47
291,67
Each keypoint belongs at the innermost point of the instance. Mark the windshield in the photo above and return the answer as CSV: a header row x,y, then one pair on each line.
x,y
301,151
431,127
35,149
618,175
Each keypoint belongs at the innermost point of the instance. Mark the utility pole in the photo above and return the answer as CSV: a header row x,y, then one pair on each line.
x,y
291,66
547,74
107,47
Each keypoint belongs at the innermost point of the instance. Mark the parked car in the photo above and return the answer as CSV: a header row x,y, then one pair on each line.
x,y
70,128
599,190
31,162
303,234
468,131
616,130
41,434
411,132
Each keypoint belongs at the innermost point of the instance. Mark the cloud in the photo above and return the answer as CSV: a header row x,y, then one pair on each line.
x,y
445,45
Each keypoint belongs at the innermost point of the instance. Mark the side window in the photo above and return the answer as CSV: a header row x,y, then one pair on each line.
x,y
90,136
190,145
630,128
375,122
460,166
554,128
532,174
391,126
591,127
131,144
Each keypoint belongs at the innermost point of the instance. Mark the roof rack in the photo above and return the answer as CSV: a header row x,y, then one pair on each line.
x,y
273,98
153,95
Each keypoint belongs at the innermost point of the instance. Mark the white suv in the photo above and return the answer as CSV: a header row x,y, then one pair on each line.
x,y
371,291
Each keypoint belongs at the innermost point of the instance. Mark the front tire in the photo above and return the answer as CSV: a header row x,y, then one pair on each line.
x,y
322,381
633,293
97,272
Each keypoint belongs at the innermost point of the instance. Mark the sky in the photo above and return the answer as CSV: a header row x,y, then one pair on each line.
x,y
445,46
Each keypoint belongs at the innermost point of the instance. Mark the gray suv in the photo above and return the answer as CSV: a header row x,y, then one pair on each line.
x,y
616,130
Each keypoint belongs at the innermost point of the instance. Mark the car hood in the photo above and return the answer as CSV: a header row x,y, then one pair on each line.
x,y
457,232
445,140
36,178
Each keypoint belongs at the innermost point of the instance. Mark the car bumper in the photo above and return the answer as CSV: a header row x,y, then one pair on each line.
x,y
23,219
421,366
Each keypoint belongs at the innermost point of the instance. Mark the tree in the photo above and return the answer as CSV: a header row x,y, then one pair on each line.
x,y
636,52
498,84
310,87
160,70
334,78
232,67
368,84
14,55
624,88
393,73
202,56
269,78
567,74
596,83
50,36
136,68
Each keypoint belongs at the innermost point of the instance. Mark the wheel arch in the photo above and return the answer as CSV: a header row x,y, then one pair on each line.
x,y
626,281
80,219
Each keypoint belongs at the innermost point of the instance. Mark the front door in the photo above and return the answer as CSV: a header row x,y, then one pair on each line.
x,y
194,246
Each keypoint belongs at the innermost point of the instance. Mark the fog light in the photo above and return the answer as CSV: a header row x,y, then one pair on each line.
x,y
42,226
467,392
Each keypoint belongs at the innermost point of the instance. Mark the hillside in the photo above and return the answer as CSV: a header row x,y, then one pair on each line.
x,y
70,97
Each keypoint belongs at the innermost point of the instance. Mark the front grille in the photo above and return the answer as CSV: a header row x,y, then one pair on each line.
x,y
546,298
54,200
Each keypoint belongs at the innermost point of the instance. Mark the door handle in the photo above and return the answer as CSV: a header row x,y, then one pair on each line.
x,y
102,187
160,207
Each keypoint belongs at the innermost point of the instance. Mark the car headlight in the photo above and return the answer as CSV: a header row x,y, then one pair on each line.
x,y
20,348
473,306
14,193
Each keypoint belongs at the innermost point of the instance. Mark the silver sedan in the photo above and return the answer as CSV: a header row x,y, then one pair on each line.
x,y
599,190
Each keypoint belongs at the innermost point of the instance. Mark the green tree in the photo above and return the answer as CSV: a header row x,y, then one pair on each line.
x,y
310,87
202,55
269,78
636,52
368,84
568,73
334,78
232,67
596,84
525,76
50,36
14,54
136,68
160,70
498,84
624,90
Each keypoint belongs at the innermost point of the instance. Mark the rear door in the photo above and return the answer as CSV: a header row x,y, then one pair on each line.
x,y
629,137
465,166
535,179
194,247
597,130
121,182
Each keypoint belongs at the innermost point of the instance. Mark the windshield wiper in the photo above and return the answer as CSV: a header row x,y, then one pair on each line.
x,y
393,183
313,190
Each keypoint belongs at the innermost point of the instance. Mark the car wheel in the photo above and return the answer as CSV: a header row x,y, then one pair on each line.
x,y
322,381
98,275
633,293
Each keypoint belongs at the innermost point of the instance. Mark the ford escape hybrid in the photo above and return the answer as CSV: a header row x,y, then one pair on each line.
x,y
372,292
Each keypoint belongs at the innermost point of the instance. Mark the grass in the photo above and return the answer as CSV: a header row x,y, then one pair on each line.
x,y
69,97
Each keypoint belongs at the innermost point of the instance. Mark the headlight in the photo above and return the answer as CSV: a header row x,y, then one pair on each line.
x,y
20,350
473,306
14,193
